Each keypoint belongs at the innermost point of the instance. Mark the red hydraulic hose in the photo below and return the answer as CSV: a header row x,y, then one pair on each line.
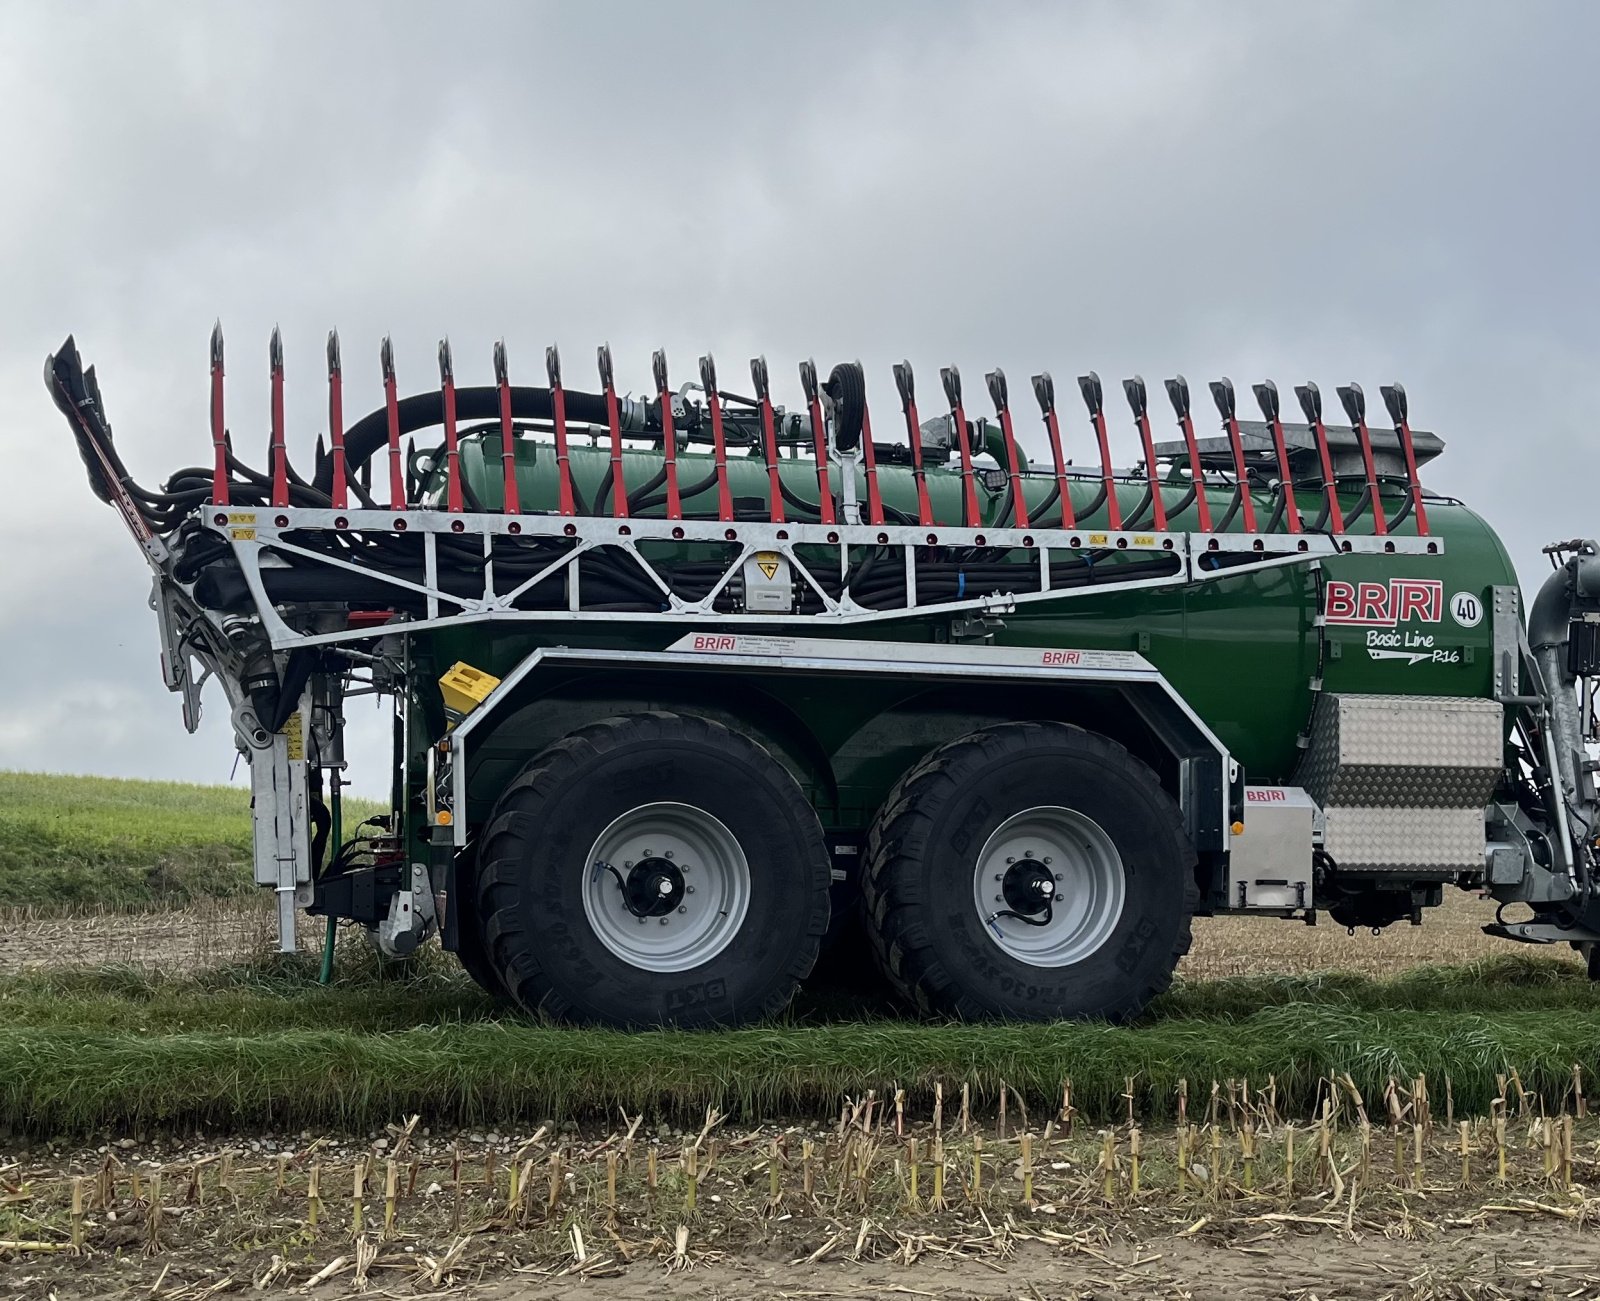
x,y
452,451
558,407
1267,398
391,406
819,440
869,458
279,453
1089,386
1355,405
1138,400
1044,389
510,497
619,493
1002,408
219,428
1222,395
1311,403
769,436
669,440
719,446
951,378
1178,394
906,382
1394,397
341,483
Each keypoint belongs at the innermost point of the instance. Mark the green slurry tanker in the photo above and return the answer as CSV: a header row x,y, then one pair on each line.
x,y
695,691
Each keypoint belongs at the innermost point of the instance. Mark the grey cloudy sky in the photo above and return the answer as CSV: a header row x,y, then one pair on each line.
x,y
1335,191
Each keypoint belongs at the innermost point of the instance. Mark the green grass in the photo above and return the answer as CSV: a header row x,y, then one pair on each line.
x,y
74,843
262,1044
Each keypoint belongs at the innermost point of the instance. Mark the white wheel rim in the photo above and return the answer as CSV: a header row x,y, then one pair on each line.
x,y
1074,854
680,860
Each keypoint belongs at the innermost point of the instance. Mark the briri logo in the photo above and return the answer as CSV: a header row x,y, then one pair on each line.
x,y
1384,605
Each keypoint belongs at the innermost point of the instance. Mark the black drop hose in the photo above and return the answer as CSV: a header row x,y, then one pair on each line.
x,y
1136,520
1183,503
1278,508
1095,502
1362,503
1404,513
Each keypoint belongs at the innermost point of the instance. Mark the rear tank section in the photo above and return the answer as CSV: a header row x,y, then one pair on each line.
x,y
1249,653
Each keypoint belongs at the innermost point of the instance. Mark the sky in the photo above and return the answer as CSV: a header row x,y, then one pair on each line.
x,y
1344,190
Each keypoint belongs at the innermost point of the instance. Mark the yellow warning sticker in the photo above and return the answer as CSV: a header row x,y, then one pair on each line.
x,y
1144,539
1097,539
242,517
294,734
768,562
243,535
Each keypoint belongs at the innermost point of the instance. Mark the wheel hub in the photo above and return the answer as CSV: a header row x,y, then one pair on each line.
x,y
1049,886
1027,888
666,886
653,887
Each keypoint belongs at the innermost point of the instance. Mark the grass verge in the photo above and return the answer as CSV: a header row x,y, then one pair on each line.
x,y
262,1044
71,844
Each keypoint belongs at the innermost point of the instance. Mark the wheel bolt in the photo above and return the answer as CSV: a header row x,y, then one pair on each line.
x,y
1027,853
1061,898
663,921
641,921
997,876
668,854
681,909
1047,860
1011,860
688,889
628,863
1058,876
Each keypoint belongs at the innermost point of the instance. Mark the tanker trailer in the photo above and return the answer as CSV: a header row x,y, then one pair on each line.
x,y
688,687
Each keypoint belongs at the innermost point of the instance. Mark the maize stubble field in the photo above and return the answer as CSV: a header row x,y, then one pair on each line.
x,y
187,1114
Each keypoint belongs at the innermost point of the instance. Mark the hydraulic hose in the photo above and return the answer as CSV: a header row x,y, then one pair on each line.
x,y
425,410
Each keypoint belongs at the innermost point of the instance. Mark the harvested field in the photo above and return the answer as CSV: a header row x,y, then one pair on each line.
x,y
1241,1201
211,933
128,1034
1451,933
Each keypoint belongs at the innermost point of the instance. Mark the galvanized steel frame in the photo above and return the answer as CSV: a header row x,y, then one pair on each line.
x,y
257,532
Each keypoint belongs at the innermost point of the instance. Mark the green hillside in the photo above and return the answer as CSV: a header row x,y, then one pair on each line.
x,y
70,843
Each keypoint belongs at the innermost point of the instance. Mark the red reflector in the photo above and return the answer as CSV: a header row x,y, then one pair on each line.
x,y
369,618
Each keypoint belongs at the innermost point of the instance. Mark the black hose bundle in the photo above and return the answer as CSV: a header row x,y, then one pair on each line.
x,y
425,410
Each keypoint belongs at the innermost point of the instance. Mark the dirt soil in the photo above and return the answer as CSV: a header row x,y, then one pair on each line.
x,y
211,934
1512,1261
1510,1257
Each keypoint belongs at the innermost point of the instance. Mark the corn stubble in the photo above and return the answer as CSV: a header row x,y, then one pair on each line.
x,y
572,1204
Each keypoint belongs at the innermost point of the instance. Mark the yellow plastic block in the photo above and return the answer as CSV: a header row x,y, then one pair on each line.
x,y
465,687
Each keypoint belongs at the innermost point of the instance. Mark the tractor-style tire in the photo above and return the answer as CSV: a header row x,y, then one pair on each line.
x,y
964,855
472,951
653,869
